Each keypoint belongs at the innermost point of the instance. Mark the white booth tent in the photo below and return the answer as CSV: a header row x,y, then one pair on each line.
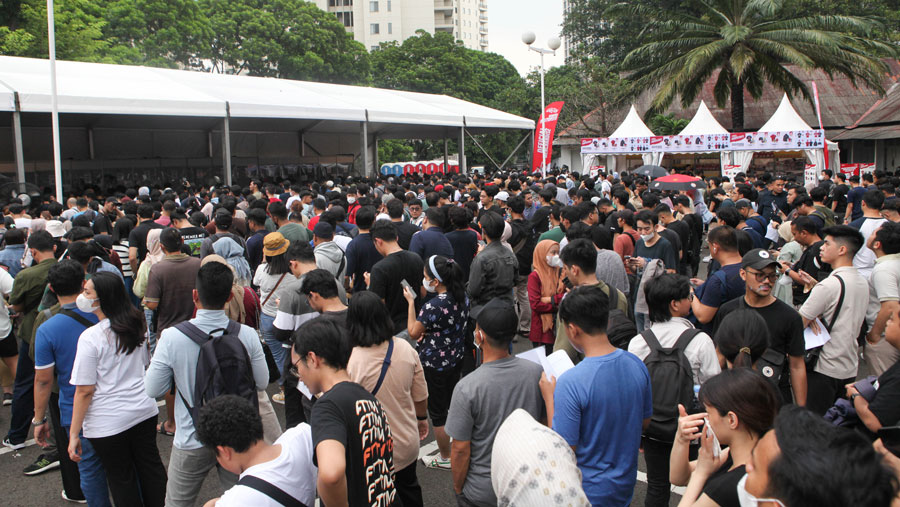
x,y
784,119
631,126
103,107
701,124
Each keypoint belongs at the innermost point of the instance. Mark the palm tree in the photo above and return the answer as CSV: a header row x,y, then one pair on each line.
x,y
749,44
667,124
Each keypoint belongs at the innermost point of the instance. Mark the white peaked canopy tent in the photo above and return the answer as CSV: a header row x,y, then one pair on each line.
x,y
784,119
702,123
631,126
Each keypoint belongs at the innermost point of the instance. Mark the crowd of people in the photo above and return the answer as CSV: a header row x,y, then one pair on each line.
x,y
743,336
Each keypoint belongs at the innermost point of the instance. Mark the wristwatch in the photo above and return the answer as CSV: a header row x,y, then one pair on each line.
x,y
38,423
854,396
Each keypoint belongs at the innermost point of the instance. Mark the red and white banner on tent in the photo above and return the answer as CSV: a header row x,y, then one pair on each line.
x,y
741,141
730,171
810,178
543,139
850,169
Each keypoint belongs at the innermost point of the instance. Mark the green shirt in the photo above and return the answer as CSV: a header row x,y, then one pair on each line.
x,y
295,233
556,234
562,338
28,290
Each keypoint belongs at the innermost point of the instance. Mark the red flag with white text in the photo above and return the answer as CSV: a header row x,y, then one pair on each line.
x,y
543,136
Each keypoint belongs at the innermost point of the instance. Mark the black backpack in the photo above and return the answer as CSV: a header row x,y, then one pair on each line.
x,y
223,366
620,328
671,381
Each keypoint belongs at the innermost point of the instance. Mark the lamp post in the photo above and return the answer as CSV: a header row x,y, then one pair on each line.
x,y
54,103
553,43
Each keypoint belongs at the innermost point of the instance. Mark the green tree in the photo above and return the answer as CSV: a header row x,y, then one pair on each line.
x,y
283,38
748,42
667,124
156,32
79,30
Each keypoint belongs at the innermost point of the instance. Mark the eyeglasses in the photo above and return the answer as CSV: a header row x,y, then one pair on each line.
x,y
293,369
761,277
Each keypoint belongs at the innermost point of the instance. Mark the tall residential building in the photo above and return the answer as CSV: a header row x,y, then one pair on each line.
x,y
375,21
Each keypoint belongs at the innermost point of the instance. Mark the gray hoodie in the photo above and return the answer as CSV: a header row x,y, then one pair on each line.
x,y
329,256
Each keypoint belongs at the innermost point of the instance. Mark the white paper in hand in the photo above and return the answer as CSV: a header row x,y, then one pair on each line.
x,y
304,390
557,363
772,233
816,340
534,355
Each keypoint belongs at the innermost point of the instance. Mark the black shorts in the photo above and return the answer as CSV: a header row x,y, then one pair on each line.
x,y
440,389
8,346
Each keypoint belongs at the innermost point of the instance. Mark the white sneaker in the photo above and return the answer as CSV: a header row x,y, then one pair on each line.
x,y
64,497
437,462
278,398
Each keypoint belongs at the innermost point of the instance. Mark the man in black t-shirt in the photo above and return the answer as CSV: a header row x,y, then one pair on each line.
x,y
137,238
682,233
104,221
350,431
397,265
809,266
759,272
193,236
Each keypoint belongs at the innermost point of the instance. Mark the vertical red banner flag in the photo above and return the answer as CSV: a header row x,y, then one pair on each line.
x,y
543,136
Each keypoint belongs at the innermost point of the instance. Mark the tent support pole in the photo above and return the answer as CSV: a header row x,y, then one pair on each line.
x,y
515,150
446,155
302,138
486,154
376,165
90,140
462,149
363,145
226,144
17,142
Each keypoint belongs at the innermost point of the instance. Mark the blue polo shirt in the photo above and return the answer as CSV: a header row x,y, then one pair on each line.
x,y
430,242
55,343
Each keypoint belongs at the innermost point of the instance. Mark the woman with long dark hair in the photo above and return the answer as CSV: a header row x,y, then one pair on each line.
x,y
390,369
740,406
110,406
439,331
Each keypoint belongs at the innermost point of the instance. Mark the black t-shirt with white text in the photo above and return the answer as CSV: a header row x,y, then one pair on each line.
x,y
350,415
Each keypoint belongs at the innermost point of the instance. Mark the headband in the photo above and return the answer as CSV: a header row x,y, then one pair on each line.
x,y
433,270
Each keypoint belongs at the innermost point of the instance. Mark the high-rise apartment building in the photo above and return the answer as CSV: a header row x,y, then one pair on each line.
x,y
375,21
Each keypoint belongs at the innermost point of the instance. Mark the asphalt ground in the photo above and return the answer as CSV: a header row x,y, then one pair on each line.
x,y
19,490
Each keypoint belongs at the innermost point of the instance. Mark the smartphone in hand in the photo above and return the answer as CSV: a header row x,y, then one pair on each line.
x,y
406,285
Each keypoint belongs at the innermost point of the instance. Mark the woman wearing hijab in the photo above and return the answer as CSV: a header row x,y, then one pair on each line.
x,y
154,255
545,291
233,253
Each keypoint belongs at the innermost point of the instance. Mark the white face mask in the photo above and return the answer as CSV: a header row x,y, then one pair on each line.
x,y
747,500
427,285
554,262
85,304
646,237
351,200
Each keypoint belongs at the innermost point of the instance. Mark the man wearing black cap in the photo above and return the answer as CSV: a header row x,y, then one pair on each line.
x,y
759,272
484,399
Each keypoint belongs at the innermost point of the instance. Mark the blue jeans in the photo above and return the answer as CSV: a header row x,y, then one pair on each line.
x,y
129,284
267,330
93,476
151,330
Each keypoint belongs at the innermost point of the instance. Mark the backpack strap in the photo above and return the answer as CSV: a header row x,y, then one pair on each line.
x,y
384,366
341,266
651,340
273,289
633,241
270,490
194,333
840,303
81,320
686,337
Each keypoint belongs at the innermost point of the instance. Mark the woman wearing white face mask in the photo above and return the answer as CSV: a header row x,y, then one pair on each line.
x,y
110,403
545,290
740,407
440,330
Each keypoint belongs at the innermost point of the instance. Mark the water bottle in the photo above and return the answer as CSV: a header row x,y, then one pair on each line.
x,y
696,407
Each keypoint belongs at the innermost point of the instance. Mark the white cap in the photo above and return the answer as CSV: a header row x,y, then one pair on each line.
x,y
502,196
329,183
56,228
144,191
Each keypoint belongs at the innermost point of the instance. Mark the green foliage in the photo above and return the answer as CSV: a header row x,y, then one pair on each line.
x,y
748,43
394,150
79,31
667,124
283,38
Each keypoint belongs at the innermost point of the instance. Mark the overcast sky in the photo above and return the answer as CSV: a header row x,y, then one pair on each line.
x,y
507,19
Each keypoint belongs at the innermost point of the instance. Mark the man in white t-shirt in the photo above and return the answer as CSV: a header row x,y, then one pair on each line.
x,y
269,474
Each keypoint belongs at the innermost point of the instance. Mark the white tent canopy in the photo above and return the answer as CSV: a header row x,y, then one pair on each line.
x,y
93,88
631,126
703,123
786,118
